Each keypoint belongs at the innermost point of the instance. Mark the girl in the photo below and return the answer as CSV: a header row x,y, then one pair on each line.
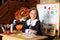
x,y
32,25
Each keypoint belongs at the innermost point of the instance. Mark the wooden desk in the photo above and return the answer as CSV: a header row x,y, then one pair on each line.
x,y
9,37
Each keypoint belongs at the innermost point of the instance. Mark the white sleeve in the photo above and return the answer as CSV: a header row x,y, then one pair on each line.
x,y
27,31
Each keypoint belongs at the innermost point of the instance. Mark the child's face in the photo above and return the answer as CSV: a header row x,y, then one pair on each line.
x,y
33,14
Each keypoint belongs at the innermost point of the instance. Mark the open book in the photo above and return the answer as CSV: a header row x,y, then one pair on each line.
x,y
28,35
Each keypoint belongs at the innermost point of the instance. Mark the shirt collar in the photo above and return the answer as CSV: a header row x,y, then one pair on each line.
x,y
32,23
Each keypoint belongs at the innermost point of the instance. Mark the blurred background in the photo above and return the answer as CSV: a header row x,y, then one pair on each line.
x,y
9,7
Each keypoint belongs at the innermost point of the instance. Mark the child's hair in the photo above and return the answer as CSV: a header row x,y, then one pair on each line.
x,y
34,8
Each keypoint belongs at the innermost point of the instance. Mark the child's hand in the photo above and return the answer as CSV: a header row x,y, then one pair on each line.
x,y
32,31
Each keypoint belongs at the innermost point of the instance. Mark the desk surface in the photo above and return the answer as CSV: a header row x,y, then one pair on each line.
x,y
10,37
